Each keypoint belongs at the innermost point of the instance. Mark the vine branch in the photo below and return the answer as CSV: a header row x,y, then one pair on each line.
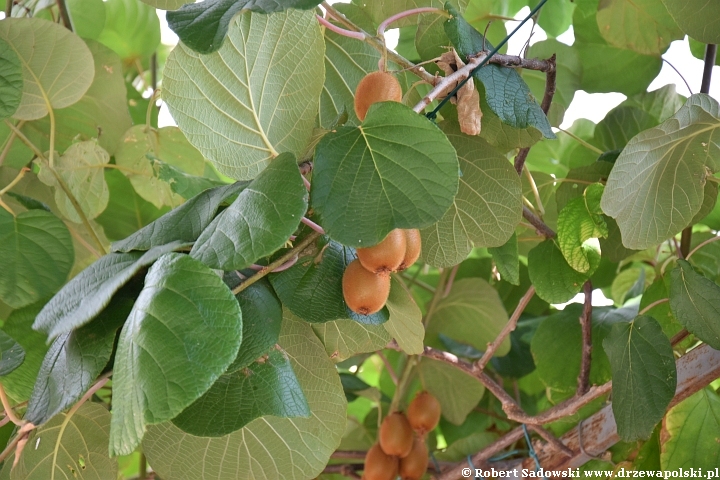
x,y
586,326
65,14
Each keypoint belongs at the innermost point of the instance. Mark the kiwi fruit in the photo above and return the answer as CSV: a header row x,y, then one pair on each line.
x,y
413,244
396,436
423,413
365,292
414,466
387,255
379,465
376,87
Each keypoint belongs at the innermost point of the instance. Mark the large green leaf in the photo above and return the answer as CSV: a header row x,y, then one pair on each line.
x,y
580,220
245,103
690,433
346,338
57,65
471,313
72,445
577,179
700,19
397,170
132,29
487,207
657,184
661,104
379,11
183,332
11,80
269,447
86,295
312,288
81,169
12,354
457,392
258,222
554,279
643,375
36,254
405,323
644,26
266,387
184,223
506,92
166,4
620,125
73,363
167,144
101,113
694,302
88,17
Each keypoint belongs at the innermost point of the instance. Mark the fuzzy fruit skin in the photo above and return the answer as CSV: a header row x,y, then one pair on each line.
x,y
379,465
365,293
396,437
424,413
412,252
414,466
387,255
376,87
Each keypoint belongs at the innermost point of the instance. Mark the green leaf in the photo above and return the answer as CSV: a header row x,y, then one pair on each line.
x,y
472,313
661,104
227,106
644,26
694,302
580,220
500,135
74,361
183,332
312,288
184,184
167,144
166,4
469,445
577,180
88,17
457,392
346,338
267,387
554,279
87,294
11,80
81,169
19,383
397,170
72,445
487,207
643,375
507,260
631,282
555,17
405,323
262,319
101,113
690,433
132,29
185,223
36,254
57,66
347,61
661,312
379,11
699,19
12,354
657,184
269,447
126,212
240,235
620,125
506,92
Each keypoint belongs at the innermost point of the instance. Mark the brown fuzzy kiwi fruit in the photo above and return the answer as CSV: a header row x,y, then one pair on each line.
x,y
376,87
387,255
423,413
414,466
365,292
379,465
396,437
412,252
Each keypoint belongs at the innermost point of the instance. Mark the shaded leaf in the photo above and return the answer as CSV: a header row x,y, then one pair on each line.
x,y
644,26
699,19
12,354
580,220
694,302
11,80
620,125
88,17
554,279
132,29
346,338
507,260
166,4
457,392
405,323
661,104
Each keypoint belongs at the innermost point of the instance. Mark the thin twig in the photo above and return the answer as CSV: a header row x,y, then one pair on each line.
x,y
15,181
709,240
9,412
414,11
450,280
447,82
304,243
507,329
419,283
679,337
388,367
402,383
8,8
12,137
552,440
534,188
340,31
347,470
586,326
582,142
679,74
540,227
25,140
653,305
483,455
65,14
313,225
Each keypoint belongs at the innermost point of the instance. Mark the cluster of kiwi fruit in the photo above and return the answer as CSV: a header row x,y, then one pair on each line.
x,y
366,281
399,451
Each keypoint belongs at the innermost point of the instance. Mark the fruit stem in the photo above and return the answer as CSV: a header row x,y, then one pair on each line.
x,y
340,31
407,13
313,225
402,383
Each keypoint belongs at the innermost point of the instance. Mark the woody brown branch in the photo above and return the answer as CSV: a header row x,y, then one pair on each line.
x,y
586,325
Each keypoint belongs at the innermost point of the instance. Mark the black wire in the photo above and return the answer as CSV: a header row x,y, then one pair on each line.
x,y
432,115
